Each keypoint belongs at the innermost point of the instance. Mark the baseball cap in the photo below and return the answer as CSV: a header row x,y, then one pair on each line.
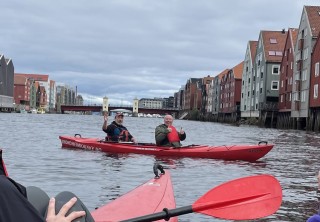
x,y
119,114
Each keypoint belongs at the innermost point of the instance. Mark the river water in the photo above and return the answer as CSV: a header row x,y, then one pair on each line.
x,y
33,156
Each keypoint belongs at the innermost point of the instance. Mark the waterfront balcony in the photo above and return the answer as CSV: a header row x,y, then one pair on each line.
x,y
269,106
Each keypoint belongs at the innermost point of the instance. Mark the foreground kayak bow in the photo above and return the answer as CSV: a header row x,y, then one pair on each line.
x,y
150,197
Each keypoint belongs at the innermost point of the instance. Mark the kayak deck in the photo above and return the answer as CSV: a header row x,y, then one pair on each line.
x,y
150,197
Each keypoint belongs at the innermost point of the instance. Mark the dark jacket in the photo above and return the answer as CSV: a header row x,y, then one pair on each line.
x,y
14,205
116,132
161,133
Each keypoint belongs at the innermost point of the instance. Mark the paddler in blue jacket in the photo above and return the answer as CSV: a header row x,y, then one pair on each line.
x,y
167,135
116,131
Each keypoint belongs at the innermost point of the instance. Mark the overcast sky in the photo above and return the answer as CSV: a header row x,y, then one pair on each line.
x,y
124,49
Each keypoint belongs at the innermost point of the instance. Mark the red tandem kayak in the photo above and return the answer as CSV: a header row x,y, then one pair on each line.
x,y
150,197
224,152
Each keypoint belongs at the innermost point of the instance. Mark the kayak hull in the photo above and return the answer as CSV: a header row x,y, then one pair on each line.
x,y
232,152
150,197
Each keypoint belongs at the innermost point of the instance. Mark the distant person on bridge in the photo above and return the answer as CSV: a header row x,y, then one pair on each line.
x,y
167,135
116,131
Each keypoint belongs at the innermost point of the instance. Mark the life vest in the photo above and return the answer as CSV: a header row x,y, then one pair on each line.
x,y
173,136
124,136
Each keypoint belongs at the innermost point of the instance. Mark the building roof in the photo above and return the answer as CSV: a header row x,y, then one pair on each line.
x,y
237,70
207,79
52,83
220,75
293,32
194,80
253,48
36,77
273,44
313,14
36,84
20,80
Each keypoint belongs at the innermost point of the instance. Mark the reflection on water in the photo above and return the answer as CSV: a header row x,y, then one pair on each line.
x,y
33,155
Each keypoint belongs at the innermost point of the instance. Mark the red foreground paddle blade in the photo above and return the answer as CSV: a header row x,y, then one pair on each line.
x,y
242,199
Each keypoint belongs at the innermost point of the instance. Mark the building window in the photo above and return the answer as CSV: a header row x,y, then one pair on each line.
x,y
273,41
315,91
275,69
272,53
305,53
281,98
316,69
275,53
303,96
274,85
304,75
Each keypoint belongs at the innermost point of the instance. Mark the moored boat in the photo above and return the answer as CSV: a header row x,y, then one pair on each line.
x,y
150,197
249,152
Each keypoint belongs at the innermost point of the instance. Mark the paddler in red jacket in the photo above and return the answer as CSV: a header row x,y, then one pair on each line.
x,y
167,135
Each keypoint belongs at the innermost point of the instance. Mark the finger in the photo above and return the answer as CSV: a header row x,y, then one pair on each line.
x,y
51,207
75,215
65,208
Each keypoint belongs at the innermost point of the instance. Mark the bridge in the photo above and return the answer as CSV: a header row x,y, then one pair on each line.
x,y
98,108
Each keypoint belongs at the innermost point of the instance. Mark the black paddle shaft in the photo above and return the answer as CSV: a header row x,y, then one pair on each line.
x,y
165,214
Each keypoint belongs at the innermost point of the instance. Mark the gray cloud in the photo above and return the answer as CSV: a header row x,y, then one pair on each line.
x,y
126,49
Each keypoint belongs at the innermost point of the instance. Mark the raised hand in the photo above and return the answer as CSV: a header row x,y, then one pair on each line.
x,y
105,116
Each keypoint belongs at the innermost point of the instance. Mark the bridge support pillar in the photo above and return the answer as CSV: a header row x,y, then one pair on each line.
x,y
135,107
105,105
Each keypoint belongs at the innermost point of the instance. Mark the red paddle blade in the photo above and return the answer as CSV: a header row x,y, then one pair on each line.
x,y
242,199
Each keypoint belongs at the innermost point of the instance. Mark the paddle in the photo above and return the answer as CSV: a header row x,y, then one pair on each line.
x,y
241,199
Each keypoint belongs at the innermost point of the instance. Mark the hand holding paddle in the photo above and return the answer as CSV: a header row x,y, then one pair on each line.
x,y
245,198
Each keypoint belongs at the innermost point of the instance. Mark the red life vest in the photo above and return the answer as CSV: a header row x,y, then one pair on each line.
x,y
173,136
124,136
